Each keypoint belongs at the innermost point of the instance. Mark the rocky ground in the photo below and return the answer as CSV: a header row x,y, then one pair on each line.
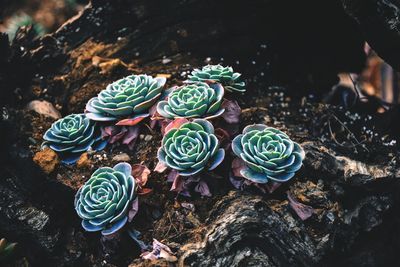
x,y
340,209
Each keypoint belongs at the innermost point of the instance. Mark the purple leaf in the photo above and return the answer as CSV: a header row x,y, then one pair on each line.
x,y
238,165
237,182
203,189
232,111
134,209
159,251
272,186
135,235
302,210
118,134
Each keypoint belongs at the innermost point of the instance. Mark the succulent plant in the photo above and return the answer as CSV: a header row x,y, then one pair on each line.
x,y
191,148
71,136
229,79
6,249
196,100
107,201
130,97
22,20
268,154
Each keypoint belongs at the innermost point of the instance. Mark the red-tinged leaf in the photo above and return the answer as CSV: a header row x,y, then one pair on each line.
x,y
160,167
237,165
222,134
272,186
232,111
130,122
175,124
164,123
302,210
141,173
177,181
144,191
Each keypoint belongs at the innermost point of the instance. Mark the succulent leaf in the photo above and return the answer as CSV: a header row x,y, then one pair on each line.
x,y
196,100
106,199
191,147
267,153
71,136
229,79
6,249
130,97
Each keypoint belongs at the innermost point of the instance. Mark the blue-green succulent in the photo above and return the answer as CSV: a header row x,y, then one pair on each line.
x,y
71,136
229,79
128,98
196,100
107,201
191,148
268,154
21,20
6,249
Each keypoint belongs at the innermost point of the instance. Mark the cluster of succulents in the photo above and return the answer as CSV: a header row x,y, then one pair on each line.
x,y
229,79
190,147
71,136
108,200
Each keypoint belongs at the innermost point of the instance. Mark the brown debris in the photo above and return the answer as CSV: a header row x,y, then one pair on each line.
x,y
83,161
47,159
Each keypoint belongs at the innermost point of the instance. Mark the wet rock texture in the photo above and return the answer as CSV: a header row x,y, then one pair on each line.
x,y
342,207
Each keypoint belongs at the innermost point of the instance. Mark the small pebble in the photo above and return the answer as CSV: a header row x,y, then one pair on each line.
x,y
121,157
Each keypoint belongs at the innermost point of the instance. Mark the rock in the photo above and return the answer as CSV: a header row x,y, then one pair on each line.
x,y
243,231
322,160
44,108
121,157
83,161
47,159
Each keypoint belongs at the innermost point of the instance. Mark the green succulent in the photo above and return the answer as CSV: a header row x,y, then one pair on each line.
x,y
71,136
130,97
268,154
191,148
229,79
6,249
21,20
105,201
196,100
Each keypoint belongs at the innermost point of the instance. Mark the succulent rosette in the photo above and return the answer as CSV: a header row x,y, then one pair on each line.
x,y
71,136
229,79
107,201
267,153
196,100
191,148
129,98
